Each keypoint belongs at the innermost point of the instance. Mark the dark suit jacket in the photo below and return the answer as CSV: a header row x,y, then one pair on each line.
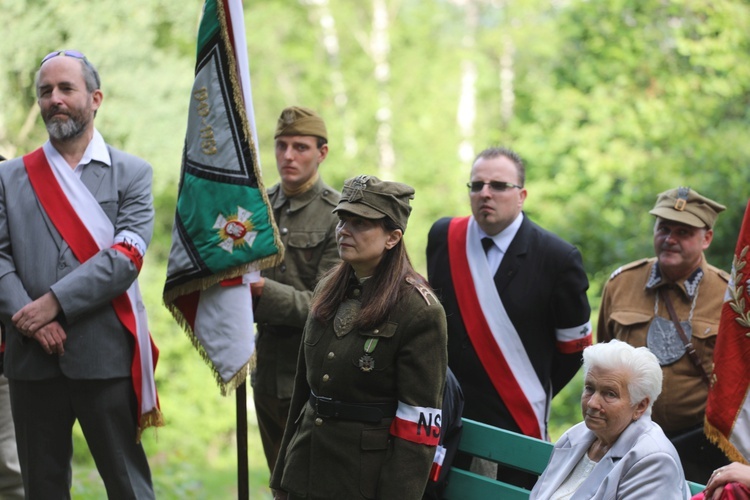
x,y
542,284
34,259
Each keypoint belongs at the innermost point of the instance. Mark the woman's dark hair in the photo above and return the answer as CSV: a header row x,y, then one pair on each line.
x,y
384,290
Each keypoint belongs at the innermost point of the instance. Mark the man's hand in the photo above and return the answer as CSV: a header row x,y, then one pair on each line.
x,y
51,337
37,314
256,287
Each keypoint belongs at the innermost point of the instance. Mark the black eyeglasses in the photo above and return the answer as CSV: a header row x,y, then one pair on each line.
x,y
498,186
69,53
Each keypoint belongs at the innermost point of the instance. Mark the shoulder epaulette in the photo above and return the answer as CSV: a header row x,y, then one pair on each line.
x,y
628,267
331,196
427,294
722,273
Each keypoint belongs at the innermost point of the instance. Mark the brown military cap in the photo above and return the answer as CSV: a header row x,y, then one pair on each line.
x,y
371,198
687,206
296,120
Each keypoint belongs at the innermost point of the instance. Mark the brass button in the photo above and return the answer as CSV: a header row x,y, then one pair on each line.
x,y
318,421
331,355
357,292
376,331
326,378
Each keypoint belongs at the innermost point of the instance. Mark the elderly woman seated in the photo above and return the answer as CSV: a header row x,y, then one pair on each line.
x,y
617,452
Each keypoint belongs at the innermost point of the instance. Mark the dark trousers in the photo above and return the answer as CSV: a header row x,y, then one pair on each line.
x,y
44,412
272,414
698,455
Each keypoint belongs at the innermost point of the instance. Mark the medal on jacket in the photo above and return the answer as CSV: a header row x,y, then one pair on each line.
x,y
345,316
367,362
664,341
662,338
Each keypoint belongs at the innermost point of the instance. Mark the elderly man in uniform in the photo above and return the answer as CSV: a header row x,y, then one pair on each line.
x,y
302,205
671,303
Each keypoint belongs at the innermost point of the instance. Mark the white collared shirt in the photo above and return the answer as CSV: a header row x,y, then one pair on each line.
x,y
95,151
502,242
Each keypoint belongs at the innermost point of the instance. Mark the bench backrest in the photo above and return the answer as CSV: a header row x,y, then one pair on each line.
x,y
503,447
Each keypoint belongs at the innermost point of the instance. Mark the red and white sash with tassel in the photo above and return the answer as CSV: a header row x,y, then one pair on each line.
x,y
491,331
85,227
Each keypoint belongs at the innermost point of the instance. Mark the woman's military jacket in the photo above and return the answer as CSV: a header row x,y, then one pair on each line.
x,y
403,362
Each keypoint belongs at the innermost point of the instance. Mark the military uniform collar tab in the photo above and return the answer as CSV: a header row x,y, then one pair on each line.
x,y
689,286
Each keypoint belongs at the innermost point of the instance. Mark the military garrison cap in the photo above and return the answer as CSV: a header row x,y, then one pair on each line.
x,y
296,120
687,206
371,198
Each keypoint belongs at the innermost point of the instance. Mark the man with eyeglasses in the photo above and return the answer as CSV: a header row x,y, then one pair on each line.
x,y
515,299
76,216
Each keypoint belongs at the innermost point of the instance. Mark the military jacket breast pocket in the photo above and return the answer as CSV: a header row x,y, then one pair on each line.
x,y
629,326
313,333
304,248
704,339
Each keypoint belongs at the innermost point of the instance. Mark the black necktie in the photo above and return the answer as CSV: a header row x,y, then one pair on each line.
x,y
487,243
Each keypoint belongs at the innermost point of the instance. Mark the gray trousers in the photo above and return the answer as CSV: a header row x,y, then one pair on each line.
x,y
44,412
11,484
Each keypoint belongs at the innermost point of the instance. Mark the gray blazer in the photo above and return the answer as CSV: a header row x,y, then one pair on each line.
x,y
641,465
34,260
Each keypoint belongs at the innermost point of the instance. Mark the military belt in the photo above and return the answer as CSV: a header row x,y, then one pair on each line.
x,y
362,412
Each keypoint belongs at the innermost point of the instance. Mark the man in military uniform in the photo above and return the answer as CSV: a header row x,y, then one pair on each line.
x,y
302,205
635,308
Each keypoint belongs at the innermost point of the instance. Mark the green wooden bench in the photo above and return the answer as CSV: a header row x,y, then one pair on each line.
x,y
506,448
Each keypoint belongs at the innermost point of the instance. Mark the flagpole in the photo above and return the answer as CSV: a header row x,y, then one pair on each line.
x,y
243,490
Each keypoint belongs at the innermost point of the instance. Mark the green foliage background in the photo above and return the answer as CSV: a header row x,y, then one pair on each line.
x,y
614,101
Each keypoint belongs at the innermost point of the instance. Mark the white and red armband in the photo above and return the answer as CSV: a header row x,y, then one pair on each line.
x,y
437,463
132,245
417,424
573,340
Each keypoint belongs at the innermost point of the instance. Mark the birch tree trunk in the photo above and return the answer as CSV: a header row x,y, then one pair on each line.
x,y
466,113
507,81
380,48
319,13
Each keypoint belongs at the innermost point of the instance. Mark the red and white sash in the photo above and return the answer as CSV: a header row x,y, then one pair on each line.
x,y
491,331
85,227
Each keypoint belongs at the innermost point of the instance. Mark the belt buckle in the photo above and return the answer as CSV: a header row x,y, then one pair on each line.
x,y
318,399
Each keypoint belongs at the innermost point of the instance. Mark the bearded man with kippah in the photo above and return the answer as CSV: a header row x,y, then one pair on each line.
x,y
635,308
302,205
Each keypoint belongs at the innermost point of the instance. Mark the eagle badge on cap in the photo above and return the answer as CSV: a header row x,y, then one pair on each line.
x,y
682,196
288,116
354,191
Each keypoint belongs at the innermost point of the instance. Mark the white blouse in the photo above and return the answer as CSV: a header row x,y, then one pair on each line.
x,y
577,476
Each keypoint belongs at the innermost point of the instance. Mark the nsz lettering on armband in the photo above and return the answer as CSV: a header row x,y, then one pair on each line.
x,y
427,424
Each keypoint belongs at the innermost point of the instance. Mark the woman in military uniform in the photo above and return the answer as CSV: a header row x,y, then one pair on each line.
x,y
365,414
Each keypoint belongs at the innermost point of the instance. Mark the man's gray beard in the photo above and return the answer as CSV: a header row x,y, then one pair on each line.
x,y
65,130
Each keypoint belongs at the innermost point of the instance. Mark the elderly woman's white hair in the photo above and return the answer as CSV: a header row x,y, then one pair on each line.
x,y
644,373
